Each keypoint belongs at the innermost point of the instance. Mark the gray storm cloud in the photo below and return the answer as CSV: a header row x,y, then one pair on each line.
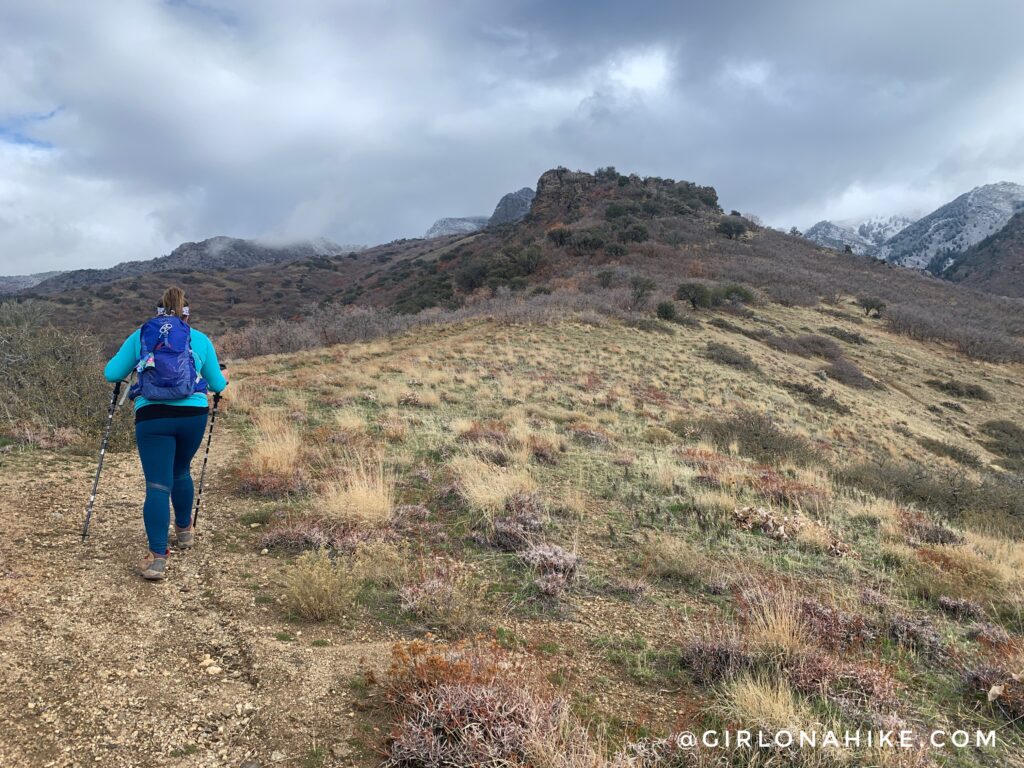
x,y
126,128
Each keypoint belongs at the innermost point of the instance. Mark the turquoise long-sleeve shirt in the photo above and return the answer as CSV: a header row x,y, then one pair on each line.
x,y
123,363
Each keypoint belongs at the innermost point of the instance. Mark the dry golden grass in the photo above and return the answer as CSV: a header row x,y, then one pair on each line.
x,y
814,536
350,421
716,503
671,558
766,703
774,626
487,487
275,456
317,588
393,428
243,397
955,572
663,473
1004,556
365,495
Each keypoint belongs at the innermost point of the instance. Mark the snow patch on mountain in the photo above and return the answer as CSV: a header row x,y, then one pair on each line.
x,y
863,236
463,225
955,227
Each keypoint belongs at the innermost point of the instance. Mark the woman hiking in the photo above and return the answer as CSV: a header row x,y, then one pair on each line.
x,y
176,366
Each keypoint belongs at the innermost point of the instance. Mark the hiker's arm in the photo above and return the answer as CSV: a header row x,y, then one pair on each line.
x,y
127,357
211,371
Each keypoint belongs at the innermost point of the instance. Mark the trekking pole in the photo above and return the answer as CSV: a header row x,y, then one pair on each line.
x,y
99,466
206,456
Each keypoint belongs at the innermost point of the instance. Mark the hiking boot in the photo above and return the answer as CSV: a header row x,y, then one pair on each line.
x,y
184,538
152,567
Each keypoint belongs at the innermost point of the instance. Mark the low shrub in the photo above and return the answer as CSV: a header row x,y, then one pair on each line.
x,y
711,660
846,372
666,310
996,501
962,389
950,451
835,628
445,595
726,355
1005,439
756,435
817,396
871,304
850,337
806,345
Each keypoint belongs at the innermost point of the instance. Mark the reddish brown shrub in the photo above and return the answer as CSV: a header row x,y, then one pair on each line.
x,y
835,628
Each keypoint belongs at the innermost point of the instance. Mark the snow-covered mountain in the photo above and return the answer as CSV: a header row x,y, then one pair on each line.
x,y
955,227
837,236
879,229
863,236
455,226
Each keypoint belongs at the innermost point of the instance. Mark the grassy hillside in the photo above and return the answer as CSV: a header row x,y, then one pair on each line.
x,y
683,526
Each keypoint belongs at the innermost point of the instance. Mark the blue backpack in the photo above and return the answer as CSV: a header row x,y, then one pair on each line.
x,y
166,370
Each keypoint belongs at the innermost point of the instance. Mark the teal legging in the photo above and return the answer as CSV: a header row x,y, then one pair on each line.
x,y
166,447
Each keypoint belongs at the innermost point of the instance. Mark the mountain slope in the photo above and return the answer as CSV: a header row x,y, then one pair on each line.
x,y
954,227
512,207
995,264
211,254
15,283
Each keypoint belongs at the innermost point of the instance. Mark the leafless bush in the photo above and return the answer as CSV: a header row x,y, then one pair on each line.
x,y
974,339
52,390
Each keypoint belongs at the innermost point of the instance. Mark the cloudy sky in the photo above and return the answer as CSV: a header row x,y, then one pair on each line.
x,y
129,126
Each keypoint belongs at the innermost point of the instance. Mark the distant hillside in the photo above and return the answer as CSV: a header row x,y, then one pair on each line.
x,y
955,227
211,254
995,264
15,283
585,232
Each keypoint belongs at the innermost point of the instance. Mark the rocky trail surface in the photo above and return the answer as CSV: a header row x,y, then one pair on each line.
x,y
103,668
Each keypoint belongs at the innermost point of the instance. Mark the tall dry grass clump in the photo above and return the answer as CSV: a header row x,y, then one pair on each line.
x,y
318,588
274,464
322,587
774,625
487,487
364,496
673,559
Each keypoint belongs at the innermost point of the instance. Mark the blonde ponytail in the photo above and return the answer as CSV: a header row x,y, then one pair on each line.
x,y
173,301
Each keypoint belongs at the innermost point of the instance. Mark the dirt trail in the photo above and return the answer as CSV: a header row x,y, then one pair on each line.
x,y
102,668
